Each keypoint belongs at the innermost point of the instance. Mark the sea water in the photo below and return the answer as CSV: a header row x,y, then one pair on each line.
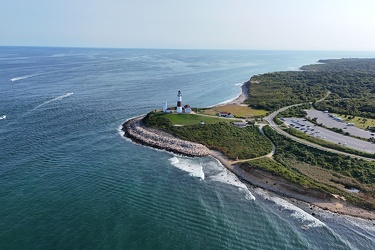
x,y
69,180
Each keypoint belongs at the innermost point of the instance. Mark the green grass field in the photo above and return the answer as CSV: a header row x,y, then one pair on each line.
x,y
193,119
359,122
236,110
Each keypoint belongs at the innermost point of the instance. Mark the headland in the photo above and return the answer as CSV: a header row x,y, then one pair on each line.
x,y
301,186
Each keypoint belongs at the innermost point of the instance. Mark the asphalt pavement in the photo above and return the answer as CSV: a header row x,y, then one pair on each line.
x,y
311,129
330,122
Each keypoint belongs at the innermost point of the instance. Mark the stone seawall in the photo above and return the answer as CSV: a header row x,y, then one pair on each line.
x,y
136,131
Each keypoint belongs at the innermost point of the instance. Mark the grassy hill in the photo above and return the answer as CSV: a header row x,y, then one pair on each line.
x,y
216,133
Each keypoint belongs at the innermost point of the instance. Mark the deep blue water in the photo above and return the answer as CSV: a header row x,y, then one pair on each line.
x,y
69,180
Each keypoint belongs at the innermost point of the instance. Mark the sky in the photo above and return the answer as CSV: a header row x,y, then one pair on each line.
x,y
191,24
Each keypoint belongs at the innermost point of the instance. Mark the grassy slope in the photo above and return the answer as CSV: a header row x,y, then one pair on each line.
x,y
191,119
237,111
327,168
244,143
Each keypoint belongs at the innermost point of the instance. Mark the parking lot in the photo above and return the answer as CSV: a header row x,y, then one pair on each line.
x,y
330,122
328,135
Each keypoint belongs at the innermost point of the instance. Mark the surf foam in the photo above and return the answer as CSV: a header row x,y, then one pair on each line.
x,y
308,220
210,171
227,177
188,165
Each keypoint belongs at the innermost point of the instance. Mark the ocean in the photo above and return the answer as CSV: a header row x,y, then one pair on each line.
x,y
70,180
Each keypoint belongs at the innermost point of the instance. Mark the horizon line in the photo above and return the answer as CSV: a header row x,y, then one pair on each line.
x,y
156,48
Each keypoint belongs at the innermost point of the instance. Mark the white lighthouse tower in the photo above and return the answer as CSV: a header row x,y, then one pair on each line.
x,y
179,102
165,106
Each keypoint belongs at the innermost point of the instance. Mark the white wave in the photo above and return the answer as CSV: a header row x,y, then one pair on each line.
x,y
226,101
296,212
22,77
122,133
238,84
210,171
188,165
3,117
52,100
227,177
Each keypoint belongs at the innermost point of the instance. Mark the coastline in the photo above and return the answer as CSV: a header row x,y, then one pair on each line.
x,y
239,99
139,133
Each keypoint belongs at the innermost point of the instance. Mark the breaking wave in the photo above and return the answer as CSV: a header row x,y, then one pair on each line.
x,y
188,165
210,171
307,220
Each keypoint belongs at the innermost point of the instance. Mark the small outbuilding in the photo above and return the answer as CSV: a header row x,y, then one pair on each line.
x,y
225,114
187,109
239,124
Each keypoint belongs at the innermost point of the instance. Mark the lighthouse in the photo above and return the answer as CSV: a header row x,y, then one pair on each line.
x,y
165,106
179,102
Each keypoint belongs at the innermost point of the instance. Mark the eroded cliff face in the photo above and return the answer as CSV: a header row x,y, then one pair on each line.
x,y
279,185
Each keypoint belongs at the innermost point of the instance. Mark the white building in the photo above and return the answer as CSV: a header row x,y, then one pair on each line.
x,y
165,106
187,109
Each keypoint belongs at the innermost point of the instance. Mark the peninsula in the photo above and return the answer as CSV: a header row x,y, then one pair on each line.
x,y
340,180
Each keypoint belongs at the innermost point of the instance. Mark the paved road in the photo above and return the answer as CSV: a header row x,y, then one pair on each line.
x,y
270,118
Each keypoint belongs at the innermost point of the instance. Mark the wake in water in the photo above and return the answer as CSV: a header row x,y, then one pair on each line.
x,y
22,77
210,171
52,100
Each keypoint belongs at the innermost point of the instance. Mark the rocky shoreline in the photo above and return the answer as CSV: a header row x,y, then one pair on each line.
x,y
136,131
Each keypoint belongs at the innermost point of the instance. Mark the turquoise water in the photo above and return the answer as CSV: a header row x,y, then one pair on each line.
x,y
69,180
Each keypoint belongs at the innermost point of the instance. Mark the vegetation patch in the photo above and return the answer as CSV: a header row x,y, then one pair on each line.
x,y
272,91
279,169
236,110
187,119
234,142
350,81
359,122
357,171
